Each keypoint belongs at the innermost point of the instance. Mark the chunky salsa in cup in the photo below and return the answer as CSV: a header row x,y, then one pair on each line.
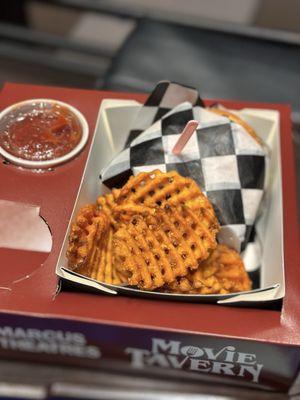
x,y
40,131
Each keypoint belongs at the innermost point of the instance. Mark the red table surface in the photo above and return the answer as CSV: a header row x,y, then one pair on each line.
x,y
56,191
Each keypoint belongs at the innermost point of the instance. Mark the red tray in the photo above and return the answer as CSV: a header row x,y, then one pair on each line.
x,y
55,193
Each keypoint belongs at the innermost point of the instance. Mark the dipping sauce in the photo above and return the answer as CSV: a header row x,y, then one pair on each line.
x,y
40,131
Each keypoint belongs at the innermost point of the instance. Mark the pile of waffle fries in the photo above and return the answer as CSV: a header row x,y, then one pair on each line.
x,y
158,232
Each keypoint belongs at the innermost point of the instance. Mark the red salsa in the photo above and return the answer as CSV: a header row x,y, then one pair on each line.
x,y
39,132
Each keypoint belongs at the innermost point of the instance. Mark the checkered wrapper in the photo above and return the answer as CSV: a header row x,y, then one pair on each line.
x,y
221,156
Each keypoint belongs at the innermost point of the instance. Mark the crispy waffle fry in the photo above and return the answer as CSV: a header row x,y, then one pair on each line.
x,y
87,235
103,270
90,245
155,247
235,118
156,188
223,272
107,204
157,228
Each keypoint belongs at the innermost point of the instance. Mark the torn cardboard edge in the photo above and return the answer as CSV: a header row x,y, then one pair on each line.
x,y
23,228
115,118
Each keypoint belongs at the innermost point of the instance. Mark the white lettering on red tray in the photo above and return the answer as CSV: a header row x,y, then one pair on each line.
x,y
220,361
47,341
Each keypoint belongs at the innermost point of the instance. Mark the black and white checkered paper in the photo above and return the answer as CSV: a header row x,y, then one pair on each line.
x,y
225,161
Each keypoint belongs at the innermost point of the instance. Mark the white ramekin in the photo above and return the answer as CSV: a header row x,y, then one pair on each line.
x,y
48,163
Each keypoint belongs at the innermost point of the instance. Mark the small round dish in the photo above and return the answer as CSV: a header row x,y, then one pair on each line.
x,y
35,105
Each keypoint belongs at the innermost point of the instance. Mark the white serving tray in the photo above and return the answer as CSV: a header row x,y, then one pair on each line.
x,y
114,121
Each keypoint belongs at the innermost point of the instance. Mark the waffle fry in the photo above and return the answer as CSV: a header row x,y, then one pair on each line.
x,y
90,242
235,118
87,234
158,231
107,204
157,188
103,271
223,272
155,247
